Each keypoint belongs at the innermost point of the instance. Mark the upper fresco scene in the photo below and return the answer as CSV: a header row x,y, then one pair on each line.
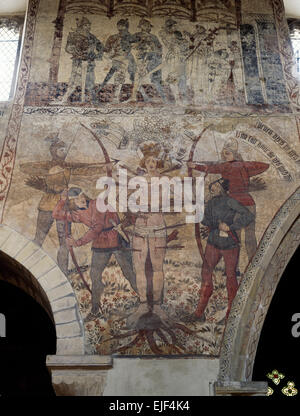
x,y
155,53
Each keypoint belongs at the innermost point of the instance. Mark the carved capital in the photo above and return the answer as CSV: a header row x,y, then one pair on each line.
x,y
79,375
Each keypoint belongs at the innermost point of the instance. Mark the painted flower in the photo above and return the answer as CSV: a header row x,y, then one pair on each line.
x,y
289,389
275,376
270,391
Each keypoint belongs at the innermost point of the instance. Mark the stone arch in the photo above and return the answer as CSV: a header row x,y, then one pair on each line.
x,y
255,293
36,273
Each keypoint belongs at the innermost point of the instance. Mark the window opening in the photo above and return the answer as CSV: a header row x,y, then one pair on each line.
x,y
294,26
10,31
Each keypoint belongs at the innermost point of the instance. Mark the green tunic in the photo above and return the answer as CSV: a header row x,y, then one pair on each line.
x,y
222,208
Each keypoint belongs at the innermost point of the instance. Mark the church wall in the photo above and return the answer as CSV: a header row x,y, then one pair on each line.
x,y
161,377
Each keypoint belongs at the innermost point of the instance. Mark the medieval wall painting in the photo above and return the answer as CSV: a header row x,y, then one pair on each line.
x,y
178,90
271,64
161,53
159,284
252,78
262,65
158,64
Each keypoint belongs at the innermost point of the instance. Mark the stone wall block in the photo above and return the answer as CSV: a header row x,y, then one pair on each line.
x,y
60,291
52,279
26,252
69,346
4,234
64,303
14,243
64,316
43,266
67,330
34,259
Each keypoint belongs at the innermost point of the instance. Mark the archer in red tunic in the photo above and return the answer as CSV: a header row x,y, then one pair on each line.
x,y
104,237
238,173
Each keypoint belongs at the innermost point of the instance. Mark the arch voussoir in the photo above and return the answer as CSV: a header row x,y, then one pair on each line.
x,y
40,273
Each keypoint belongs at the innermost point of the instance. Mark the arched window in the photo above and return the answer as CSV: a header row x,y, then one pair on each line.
x,y
10,36
294,26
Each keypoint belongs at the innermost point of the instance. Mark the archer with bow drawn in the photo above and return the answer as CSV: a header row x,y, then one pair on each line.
x,y
104,232
221,224
52,177
238,172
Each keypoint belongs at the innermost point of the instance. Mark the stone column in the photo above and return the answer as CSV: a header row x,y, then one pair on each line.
x,y
79,375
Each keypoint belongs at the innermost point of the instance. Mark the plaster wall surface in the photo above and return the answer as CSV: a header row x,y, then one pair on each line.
x,y
161,377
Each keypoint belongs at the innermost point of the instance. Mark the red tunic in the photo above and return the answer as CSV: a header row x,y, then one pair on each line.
x,y
100,232
238,173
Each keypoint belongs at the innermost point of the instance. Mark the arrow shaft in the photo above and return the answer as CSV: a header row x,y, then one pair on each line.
x,y
171,247
172,226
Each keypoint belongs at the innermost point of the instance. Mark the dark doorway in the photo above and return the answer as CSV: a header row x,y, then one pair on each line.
x,y
278,348
30,336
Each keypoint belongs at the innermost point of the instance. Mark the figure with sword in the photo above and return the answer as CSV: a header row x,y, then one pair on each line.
x,y
177,46
118,49
222,225
238,172
85,49
148,51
